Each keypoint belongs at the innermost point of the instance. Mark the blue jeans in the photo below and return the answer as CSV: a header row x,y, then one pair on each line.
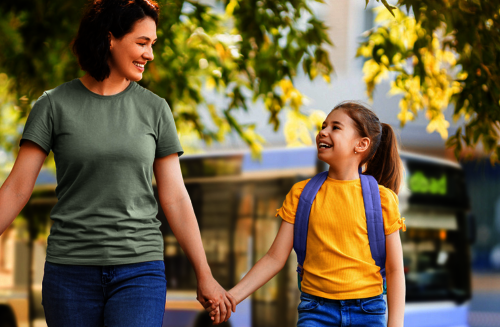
x,y
98,296
315,311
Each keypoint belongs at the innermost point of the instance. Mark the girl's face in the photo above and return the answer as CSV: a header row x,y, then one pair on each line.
x,y
130,54
339,139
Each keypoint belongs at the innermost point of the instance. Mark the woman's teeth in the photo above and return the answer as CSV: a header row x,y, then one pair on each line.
x,y
139,65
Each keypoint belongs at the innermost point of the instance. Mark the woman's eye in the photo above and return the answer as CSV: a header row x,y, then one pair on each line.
x,y
143,44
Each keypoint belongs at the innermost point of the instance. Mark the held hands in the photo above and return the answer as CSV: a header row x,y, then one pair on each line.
x,y
211,294
214,311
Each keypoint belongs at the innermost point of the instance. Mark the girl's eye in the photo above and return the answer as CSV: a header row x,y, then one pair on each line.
x,y
336,127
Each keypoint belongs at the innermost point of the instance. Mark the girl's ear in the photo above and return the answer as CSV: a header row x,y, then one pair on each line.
x,y
362,145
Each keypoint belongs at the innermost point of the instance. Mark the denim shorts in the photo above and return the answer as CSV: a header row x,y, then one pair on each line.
x,y
315,311
98,296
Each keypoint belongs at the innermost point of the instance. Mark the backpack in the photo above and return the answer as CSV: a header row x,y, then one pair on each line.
x,y
374,221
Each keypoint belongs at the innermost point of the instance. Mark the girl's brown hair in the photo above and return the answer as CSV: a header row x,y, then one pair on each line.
x,y
382,161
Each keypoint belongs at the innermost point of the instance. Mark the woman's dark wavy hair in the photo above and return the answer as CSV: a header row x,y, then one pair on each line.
x,y
382,161
91,44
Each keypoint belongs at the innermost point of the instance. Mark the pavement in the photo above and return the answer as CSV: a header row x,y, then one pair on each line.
x,y
485,304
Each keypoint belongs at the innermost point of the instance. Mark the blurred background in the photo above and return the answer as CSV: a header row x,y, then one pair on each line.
x,y
249,83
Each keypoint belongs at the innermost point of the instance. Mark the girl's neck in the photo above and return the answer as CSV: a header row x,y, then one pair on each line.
x,y
343,173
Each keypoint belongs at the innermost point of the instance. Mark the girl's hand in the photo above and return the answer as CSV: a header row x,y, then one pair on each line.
x,y
210,290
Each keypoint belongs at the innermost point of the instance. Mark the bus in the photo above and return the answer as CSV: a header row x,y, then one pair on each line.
x,y
235,200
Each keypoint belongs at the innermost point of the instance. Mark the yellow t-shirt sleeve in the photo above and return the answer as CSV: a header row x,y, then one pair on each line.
x,y
289,208
390,211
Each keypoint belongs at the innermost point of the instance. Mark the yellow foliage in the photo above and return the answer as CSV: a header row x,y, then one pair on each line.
x,y
439,124
255,141
433,93
210,84
230,7
316,119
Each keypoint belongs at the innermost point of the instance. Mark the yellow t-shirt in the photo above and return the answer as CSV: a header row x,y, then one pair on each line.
x,y
338,263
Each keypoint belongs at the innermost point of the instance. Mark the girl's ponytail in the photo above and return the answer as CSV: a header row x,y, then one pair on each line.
x,y
382,160
385,165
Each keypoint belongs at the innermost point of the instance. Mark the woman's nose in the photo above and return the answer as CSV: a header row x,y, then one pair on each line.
x,y
148,55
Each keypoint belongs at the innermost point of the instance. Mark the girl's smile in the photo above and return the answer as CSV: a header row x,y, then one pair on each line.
x,y
336,136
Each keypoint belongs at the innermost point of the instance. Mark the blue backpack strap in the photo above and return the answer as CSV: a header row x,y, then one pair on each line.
x,y
302,218
374,220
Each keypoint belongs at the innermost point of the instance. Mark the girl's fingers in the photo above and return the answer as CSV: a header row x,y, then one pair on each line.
x,y
232,300
213,312
217,319
228,305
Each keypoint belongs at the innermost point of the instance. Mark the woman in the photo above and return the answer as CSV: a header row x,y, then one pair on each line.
x,y
104,264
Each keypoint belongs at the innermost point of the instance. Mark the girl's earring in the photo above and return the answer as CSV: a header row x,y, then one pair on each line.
x,y
355,152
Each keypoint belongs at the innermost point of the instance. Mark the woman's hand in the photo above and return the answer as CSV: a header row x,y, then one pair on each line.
x,y
211,296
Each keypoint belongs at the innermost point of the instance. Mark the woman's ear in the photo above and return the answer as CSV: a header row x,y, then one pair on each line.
x,y
362,145
110,39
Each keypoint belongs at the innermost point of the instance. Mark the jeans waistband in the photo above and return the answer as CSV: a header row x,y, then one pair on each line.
x,y
322,300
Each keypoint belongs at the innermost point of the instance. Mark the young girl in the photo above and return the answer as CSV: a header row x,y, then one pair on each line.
x,y
341,284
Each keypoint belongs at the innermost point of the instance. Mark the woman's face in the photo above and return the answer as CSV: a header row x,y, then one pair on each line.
x,y
338,138
130,54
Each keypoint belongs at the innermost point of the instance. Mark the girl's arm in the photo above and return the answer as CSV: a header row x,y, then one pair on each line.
x,y
395,280
265,269
178,209
268,266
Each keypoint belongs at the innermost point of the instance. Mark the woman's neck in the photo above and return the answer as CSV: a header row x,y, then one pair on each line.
x,y
343,173
109,86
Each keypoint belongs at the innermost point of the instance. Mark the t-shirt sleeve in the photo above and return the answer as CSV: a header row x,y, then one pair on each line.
x,y
289,208
168,141
39,124
390,211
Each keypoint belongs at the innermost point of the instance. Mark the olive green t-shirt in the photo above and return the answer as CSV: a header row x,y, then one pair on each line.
x,y
104,148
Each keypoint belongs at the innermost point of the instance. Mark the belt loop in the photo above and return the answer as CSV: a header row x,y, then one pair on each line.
x,y
358,302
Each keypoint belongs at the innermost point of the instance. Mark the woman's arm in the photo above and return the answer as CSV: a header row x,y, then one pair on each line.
x,y
395,280
17,188
178,209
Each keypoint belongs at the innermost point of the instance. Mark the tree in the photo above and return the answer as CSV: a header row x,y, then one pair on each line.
x,y
248,51
441,52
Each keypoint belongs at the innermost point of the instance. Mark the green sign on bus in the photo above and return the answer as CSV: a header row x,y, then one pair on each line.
x,y
419,183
